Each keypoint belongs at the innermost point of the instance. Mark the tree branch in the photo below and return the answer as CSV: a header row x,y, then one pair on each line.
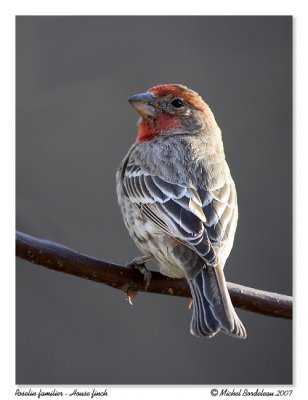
x,y
60,258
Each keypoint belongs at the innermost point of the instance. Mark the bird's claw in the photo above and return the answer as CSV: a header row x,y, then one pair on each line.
x,y
147,275
139,263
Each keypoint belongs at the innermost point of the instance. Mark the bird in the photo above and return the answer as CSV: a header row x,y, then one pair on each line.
x,y
178,200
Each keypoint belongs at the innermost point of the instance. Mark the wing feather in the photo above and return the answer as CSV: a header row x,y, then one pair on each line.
x,y
199,218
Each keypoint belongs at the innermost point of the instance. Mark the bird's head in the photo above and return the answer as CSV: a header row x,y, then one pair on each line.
x,y
171,109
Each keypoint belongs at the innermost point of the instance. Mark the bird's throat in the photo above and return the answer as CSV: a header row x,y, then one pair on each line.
x,y
165,124
146,131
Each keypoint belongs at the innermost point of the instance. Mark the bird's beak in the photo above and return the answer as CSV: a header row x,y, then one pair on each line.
x,y
145,104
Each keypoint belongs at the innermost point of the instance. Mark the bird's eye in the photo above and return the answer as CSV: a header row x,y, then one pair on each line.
x,y
177,103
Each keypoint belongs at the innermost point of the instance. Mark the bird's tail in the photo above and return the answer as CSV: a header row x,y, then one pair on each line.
x,y
212,307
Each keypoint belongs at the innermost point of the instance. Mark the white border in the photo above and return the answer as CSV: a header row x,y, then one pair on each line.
x,y
158,7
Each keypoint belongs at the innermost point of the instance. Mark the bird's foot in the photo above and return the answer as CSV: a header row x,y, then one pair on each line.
x,y
139,263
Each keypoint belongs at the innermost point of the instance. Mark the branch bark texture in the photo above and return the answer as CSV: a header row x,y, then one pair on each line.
x,y
63,259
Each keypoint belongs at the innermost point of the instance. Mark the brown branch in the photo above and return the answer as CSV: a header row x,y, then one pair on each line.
x,y
60,258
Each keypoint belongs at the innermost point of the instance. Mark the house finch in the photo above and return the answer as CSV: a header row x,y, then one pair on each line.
x,y
178,200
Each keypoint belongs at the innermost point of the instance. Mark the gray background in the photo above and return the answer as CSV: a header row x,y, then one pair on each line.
x,y
74,126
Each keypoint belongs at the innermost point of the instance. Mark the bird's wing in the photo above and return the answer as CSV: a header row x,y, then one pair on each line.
x,y
220,208
197,217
